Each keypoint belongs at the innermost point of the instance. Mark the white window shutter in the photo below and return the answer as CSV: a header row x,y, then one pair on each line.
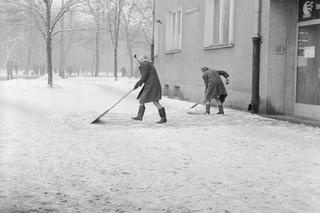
x,y
168,32
180,38
231,26
156,39
221,20
207,23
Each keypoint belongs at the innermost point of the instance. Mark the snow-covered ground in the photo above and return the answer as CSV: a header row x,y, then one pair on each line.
x,y
53,160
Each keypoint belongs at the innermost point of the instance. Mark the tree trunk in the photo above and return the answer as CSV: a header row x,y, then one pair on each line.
x,y
129,52
28,60
131,63
6,59
8,51
49,60
69,43
48,42
115,69
131,60
62,60
29,54
92,64
97,54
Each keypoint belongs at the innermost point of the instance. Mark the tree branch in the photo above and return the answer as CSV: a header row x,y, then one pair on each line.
x,y
64,8
68,30
25,25
36,10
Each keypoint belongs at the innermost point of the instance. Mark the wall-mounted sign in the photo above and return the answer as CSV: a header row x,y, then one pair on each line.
x,y
309,52
309,10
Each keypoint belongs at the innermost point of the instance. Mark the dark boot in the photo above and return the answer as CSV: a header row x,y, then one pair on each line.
x,y
220,109
140,113
163,116
207,109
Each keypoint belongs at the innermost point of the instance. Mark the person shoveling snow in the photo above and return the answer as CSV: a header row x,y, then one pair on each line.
x,y
214,87
151,91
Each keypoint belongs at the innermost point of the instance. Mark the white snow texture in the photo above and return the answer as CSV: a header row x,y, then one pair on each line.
x,y
53,160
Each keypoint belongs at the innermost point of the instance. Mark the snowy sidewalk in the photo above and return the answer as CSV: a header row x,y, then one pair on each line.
x,y
53,160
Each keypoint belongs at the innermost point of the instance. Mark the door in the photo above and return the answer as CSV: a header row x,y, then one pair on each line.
x,y
307,100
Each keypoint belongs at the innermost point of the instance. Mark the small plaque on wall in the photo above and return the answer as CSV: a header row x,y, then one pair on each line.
x,y
279,50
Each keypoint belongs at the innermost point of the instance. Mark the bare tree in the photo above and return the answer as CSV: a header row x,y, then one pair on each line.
x,y
114,18
134,18
46,17
146,25
65,49
62,59
98,11
9,36
8,46
30,41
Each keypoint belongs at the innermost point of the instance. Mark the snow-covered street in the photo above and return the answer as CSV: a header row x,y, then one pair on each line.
x,y
53,160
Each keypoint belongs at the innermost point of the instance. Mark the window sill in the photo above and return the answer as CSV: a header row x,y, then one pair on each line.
x,y
218,46
173,51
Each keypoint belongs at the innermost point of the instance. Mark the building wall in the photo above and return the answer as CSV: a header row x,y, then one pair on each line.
x,y
183,68
278,53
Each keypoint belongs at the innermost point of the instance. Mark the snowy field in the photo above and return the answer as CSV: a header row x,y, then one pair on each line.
x,y
53,160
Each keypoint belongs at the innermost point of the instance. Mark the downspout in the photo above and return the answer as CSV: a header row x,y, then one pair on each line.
x,y
256,42
153,25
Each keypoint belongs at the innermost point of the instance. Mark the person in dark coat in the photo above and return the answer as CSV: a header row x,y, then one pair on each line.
x,y
214,87
151,91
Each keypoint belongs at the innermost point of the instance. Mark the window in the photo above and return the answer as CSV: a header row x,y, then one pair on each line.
x,y
308,70
174,29
219,23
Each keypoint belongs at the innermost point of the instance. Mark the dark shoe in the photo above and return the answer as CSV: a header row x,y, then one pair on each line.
x,y
220,109
140,113
207,109
163,116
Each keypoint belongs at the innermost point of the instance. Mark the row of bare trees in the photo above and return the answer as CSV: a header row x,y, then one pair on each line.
x,y
112,21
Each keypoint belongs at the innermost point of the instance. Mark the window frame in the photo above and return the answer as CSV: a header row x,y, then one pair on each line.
x,y
171,46
209,27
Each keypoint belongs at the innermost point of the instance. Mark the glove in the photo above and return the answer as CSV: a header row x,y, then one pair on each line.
x,y
136,86
227,81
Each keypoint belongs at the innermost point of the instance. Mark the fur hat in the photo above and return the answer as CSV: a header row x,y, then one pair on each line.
x,y
145,58
203,69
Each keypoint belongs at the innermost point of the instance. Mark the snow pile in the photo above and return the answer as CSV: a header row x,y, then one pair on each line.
x,y
25,85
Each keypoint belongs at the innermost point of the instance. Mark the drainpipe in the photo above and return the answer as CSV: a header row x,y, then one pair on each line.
x,y
256,41
153,25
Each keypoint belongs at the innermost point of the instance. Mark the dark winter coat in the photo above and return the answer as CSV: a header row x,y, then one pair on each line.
x,y
151,91
214,85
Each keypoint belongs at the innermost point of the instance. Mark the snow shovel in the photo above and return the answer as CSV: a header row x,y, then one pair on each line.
x,y
123,97
197,103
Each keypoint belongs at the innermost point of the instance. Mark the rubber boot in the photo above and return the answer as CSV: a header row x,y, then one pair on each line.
x,y
207,109
220,109
140,113
163,116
